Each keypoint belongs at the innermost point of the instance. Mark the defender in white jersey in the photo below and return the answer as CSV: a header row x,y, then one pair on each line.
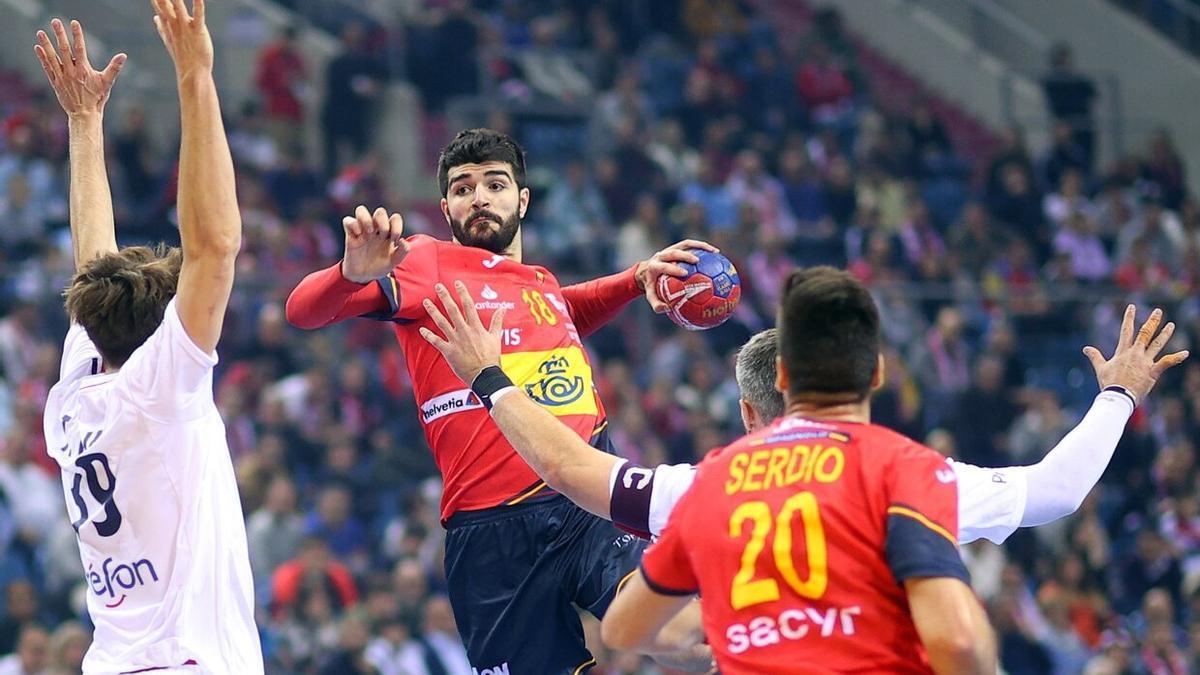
x,y
146,472
993,502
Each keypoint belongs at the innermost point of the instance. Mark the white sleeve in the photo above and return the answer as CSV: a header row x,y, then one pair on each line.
x,y
80,357
169,377
641,499
990,502
1066,475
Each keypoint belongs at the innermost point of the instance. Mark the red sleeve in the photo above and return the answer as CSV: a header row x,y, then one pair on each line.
x,y
666,566
326,297
594,303
344,583
413,280
922,516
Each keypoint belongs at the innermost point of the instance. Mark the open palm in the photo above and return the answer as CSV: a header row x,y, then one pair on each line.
x,y
80,88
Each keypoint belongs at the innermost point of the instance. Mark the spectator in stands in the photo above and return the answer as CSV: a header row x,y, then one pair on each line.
x,y
440,645
1158,229
1164,168
282,81
275,530
825,89
1079,241
1017,206
1067,199
548,68
1064,154
1070,96
314,568
711,194
31,656
68,645
355,82
749,183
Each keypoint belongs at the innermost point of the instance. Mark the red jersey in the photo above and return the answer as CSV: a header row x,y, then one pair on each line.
x,y
797,539
542,353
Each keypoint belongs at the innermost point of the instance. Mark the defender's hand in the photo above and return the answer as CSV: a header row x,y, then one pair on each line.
x,y
1133,365
663,262
80,88
185,36
467,345
374,244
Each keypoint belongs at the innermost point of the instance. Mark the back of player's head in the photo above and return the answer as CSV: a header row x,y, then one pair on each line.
x,y
828,335
755,373
120,298
476,146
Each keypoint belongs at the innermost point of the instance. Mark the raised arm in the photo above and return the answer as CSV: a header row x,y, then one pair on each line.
x,y
210,225
554,451
375,245
83,91
1059,483
594,303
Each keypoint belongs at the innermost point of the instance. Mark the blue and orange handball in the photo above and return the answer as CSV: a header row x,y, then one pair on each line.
x,y
707,296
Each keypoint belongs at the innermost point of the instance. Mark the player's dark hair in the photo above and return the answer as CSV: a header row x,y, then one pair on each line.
x,y
476,146
828,335
120,298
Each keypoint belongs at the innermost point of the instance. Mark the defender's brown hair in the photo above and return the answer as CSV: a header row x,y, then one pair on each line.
x,y
120,298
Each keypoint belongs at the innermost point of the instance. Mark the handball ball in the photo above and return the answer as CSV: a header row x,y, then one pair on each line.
x,y
707,296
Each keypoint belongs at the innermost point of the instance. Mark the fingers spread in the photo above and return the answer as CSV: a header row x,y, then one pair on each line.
x,y
438,318
451,307
198,10
1126,338
1168,362
350,224
114,68
497,324
80,43
694,243
1148,329
468,304
380,222
434,339
64,44
1162,339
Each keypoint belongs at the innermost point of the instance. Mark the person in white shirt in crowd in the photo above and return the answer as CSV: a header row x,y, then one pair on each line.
x,y
32,655
145,466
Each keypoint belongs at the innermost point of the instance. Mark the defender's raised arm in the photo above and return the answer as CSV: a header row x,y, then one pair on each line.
x,y
210,225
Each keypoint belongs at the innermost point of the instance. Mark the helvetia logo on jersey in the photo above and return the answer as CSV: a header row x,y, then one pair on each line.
x,y
113,579
501,669
557,387
448,404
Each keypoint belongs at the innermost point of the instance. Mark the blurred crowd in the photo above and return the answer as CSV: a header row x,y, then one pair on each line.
x,y
766,133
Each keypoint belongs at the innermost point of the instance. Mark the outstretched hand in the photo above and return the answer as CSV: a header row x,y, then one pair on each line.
x,y
185,36
1133,364
467,346
80,88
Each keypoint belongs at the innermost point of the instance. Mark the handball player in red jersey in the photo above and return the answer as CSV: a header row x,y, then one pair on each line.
x,y
519,557
821,543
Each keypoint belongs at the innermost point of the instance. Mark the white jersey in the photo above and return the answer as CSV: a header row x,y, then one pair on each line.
x,y
150,489
991,502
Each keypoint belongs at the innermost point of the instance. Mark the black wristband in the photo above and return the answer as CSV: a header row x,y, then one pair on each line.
x,y
1123,391
489,381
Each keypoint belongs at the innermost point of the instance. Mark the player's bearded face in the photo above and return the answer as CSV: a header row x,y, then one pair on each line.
x,y
487,230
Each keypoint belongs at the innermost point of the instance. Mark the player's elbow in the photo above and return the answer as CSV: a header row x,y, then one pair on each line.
x,y
618,632
297,314
961,647
215,246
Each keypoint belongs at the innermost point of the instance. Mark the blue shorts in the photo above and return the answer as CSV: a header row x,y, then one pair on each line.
x,y
516,574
